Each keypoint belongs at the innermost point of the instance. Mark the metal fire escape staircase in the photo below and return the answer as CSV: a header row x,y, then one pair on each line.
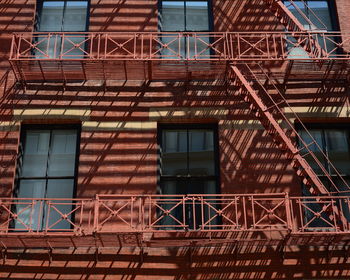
x,y
270,110
292,24
268,104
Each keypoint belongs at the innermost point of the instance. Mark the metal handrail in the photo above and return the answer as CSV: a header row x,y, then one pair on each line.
x,y
179,46
174,213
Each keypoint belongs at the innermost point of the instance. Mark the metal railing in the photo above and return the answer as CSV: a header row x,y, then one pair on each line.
x,y
183,46
175,213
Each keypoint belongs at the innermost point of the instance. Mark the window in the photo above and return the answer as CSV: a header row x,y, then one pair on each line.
x,y
188,165
335,144
320,14
46,169
62,16
185,16
317,15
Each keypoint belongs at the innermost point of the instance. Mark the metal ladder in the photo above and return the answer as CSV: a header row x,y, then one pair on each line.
x,y
270,111
292,24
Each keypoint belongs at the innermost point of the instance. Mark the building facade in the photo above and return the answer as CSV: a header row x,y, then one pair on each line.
x,y
145,139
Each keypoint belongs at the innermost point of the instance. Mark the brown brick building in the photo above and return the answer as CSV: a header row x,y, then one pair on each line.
x,y
154,139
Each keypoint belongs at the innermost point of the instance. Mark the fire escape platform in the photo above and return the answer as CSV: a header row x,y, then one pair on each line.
x,y
84,70
195,239
66,57
164,221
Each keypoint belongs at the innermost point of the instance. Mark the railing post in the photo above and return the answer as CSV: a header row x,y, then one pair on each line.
x,y
226,47
253,211
245,212
132,200
62,46
141,46
91,36
19,46
12,45
141,214
288,212
238,47
184,213
96,202
135,45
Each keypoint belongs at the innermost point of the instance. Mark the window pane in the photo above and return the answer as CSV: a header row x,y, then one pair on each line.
x,y
188,186
198,47
189,212
312,221
317,136
175,46
30,212
174,152
320,15
345,201
73,46
173,16
59,188
35,154
298,6
62,153
197,18
201,152
75,16
172,204
338,150
31,189
51,16
321,18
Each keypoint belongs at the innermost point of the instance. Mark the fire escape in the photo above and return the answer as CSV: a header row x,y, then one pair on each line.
x,y
242,59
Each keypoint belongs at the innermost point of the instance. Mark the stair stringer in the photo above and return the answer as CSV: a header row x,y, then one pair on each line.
x,y
310,177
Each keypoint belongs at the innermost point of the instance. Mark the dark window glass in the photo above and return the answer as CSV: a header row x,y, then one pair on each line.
x,y
335,144
46,169
188,159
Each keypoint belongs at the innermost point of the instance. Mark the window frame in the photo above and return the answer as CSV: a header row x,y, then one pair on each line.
x,y
210,16
39,8
49,127
318,223
332,10
322,127
178,178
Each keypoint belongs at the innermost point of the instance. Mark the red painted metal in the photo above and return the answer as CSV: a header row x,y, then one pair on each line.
x,y
269,114
237,216
183,46
270,111
147,214
68,56
320,25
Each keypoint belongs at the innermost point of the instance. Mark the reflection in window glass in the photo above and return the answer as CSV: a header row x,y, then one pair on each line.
x,y
334,143
62,16
46,170
319,17
337,144
319,14
187,166
180,16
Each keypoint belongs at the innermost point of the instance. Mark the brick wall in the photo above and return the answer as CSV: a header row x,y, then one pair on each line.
x,y
118,150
